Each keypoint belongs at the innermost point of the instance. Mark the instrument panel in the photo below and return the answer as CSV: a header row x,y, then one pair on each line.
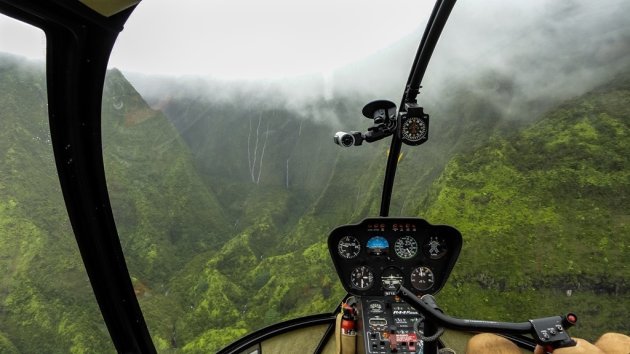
x,y
373,257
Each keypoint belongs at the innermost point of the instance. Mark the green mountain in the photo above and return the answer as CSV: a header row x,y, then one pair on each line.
x,y
532,205
46,301
223,207
276,277
164,214
544,214
163,211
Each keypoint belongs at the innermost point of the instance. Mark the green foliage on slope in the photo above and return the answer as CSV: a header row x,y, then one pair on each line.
x,y
162,210
216,252
543,212
46,302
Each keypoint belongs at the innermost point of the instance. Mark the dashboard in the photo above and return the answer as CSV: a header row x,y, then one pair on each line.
x,y
373,257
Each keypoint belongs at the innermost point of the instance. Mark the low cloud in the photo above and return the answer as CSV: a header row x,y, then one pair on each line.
x,y
543,50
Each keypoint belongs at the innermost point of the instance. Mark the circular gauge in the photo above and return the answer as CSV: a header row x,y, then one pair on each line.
x,y
361,278
406,247
414,129
376,306
435,247
348,247
391,278
422,278
377,246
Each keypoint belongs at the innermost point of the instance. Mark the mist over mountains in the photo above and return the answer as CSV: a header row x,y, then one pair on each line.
x,y
224,192
578,44
211,225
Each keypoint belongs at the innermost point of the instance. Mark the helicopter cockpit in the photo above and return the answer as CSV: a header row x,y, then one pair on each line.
x,y
373,259
202,209
392,267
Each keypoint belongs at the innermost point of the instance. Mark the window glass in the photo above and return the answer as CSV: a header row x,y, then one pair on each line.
x,y
528,159
225,182
46,301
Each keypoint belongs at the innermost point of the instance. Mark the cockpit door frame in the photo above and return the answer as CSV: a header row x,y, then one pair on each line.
x,y
79,42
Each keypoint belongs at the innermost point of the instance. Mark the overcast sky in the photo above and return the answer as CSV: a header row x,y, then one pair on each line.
x,y
246,39
253,39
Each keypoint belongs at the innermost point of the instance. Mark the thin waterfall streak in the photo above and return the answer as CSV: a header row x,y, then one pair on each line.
x,y
256,148
300,131
262,153
356,201
249,157
287,179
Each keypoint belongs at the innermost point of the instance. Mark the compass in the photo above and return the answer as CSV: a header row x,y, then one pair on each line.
x,y
414,125
414,129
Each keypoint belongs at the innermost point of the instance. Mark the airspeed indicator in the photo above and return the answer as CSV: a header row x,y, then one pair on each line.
x,y
406,247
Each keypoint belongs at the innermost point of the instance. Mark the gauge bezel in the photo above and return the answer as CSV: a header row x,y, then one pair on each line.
x,y
427,244
354,255
392,269
396,247
371,278
392,229
427,270
405,129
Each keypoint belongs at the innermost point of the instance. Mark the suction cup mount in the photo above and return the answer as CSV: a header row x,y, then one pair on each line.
x,y
381,111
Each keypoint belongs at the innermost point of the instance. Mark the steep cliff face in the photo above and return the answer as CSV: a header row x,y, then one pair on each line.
x,y
223,208
545,214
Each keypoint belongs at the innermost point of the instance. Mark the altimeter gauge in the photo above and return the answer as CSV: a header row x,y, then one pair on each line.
x,y
406,247
362,278
349,247
422,278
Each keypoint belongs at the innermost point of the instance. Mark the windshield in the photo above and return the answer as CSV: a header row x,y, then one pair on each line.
x,y
217,123
226,182
46,301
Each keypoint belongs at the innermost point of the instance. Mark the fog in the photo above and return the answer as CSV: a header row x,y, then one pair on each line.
x,y
544,49
521,53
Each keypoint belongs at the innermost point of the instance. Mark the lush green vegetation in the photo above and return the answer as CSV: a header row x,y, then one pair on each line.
x,y
545,216
46,302
221,238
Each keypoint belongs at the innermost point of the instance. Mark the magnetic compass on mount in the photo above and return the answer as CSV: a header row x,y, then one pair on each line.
x,y
413,125
414,129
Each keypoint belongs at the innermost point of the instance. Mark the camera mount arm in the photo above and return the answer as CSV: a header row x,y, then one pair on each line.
x,y
384,115
549,332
